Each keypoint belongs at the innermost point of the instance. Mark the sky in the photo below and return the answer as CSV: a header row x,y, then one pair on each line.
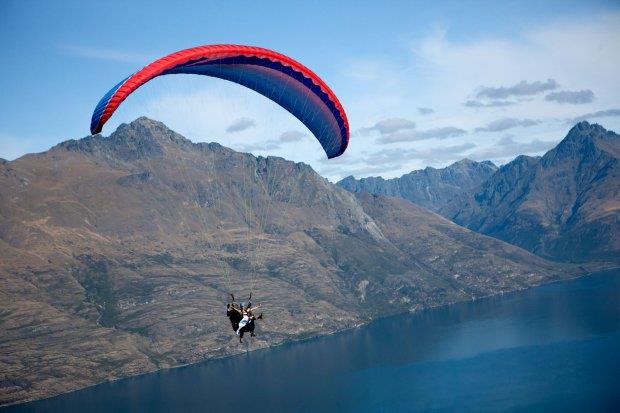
x,y
422,84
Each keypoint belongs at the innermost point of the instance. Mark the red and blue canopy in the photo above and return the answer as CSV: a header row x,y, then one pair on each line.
x,y
274,75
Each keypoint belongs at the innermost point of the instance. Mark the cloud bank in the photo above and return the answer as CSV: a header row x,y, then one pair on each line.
x,y
523,88
575,98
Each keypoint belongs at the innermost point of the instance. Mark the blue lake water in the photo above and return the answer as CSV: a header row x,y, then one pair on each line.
x,y
551,348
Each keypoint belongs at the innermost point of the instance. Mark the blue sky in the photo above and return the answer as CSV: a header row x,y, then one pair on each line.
x,y
496,79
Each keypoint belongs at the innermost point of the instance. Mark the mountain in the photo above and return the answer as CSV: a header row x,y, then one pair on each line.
x,y
564,205
431,188
118,254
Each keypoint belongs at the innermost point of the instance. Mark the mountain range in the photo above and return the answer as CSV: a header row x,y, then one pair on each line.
x,y
563,206
118,255
430,187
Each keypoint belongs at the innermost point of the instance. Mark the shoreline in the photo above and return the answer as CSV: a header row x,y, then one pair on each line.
x,y
585,272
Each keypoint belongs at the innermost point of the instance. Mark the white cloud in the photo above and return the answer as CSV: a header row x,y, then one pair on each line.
x,y
425,111
523,88
577,53
445,73
578,97
241,124
292,136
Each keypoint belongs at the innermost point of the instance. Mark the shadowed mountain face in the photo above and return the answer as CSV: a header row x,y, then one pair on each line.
x,y
564,205
118,254
431,188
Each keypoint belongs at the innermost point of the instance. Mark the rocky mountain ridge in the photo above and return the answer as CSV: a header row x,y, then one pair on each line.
x,y
564,205
118,254
430,187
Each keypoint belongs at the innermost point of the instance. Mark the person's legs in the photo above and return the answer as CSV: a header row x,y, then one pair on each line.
x,y
242,324
250,327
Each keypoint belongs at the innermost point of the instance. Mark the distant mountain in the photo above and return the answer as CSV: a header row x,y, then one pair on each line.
x,y
564,205
431,188
118,254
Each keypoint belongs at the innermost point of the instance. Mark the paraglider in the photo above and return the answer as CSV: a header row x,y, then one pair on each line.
x,y
274,75
242,318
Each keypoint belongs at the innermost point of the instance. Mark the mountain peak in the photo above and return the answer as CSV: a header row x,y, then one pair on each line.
x,y
589,131
149,129
489,164
144,124
140,139
468,163
584,138
145,120
464,161
562,205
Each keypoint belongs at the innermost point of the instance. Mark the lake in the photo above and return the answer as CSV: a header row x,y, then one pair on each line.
x,y
551,348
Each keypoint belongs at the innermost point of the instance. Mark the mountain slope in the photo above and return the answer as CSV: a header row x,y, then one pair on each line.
x,y
564,205
118,254
431,188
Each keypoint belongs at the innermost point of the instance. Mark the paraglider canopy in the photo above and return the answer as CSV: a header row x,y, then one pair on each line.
x,y
274,75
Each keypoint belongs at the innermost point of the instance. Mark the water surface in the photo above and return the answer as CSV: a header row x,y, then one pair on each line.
x,y
551,348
